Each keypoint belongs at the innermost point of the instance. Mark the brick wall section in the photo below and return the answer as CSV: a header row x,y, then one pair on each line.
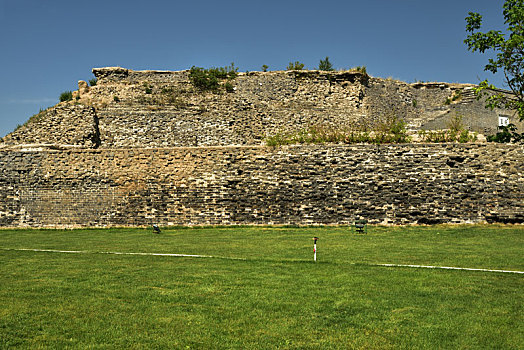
x,y
393,184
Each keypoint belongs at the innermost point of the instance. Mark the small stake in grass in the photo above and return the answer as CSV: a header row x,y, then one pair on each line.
x,y
315,239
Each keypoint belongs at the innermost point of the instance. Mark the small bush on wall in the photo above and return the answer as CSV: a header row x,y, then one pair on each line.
x,y
325,65
455,132
507,134
295,66
66,96
209,79
390,130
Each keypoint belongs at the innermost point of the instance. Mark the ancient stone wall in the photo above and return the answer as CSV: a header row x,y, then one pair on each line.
x,y
163,109
147,146
390,184
62,125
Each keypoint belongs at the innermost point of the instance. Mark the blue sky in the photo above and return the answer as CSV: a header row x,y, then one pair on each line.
x,y
48,45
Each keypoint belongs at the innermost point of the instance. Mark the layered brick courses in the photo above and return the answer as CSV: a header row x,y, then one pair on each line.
x,y
386,184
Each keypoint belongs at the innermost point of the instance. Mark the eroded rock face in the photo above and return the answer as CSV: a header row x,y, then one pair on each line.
x,y
83,88
163,108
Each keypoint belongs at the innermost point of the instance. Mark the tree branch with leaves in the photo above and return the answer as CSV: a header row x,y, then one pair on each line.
x,y
509,48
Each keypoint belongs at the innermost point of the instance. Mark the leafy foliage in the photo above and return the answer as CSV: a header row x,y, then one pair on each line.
x,y
295,66
361,69
228,72
264,67
456,96
66,96
506,133
325,65
229,87
209,79
509,58
93,81
391,130
202,80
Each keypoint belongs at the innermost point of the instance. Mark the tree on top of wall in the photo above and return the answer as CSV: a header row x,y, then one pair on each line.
x,y
509,48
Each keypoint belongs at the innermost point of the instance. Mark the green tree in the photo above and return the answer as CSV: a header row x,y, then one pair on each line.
x,y
325,65
509,48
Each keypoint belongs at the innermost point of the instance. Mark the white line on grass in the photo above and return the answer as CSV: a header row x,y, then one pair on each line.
x,y
230,258
121,253
446,268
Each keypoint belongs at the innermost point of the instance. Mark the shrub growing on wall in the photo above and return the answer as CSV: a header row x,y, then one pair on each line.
x,y
202,80
325,65
506,133
66,96
209,79
390,130
455,132
295,66
361,69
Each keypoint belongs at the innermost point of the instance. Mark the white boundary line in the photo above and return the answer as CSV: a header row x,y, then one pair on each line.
x,y
230,258
120,253
447,268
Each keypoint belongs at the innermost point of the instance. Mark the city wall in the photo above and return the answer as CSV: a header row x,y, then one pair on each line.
x,y
128,109
314,184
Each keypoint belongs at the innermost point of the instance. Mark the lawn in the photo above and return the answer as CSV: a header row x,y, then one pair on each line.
x,y
273,296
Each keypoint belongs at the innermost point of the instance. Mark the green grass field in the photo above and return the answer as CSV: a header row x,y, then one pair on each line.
x,y
276,298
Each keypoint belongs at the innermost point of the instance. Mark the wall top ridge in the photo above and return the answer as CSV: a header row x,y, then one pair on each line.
x,y
269,149
121,72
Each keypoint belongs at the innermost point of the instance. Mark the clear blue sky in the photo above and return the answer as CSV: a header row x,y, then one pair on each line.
x,y
46,46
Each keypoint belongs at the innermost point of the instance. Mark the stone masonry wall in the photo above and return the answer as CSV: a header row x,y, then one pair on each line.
x,y
61,125
389,184
163,109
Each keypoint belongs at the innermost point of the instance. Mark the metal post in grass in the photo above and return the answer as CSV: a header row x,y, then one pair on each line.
x,y
315,239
